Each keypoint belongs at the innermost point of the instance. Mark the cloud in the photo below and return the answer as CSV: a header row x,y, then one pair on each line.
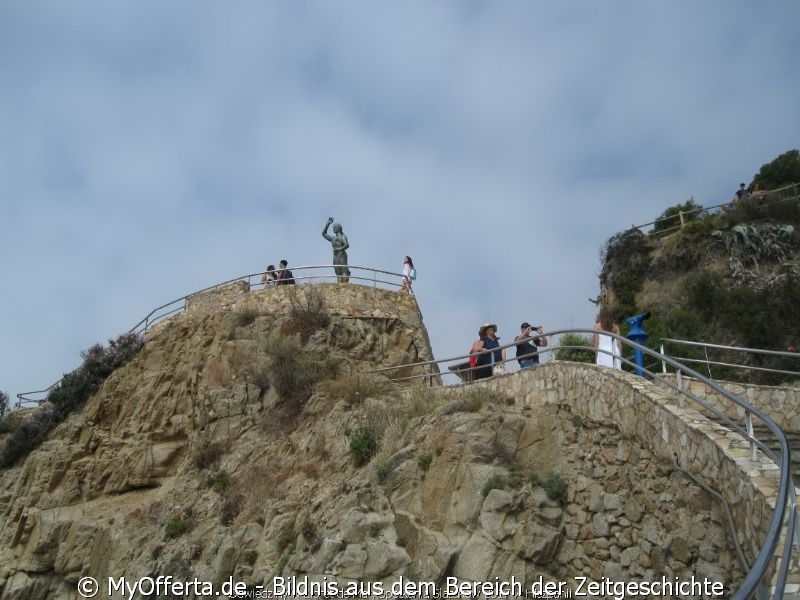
x,y
149,149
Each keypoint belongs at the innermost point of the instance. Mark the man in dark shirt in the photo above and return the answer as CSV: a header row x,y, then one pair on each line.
x,y
527,345
285,276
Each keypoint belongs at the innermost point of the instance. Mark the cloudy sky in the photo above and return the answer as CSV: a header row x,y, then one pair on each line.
x,y
149,149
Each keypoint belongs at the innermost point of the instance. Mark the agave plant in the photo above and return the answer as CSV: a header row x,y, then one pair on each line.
x,y
748,245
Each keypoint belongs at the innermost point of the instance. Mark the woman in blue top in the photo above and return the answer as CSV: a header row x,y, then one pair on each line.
x,y
488,341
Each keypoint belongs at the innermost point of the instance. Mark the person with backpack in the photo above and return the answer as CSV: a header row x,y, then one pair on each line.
x,y
409,275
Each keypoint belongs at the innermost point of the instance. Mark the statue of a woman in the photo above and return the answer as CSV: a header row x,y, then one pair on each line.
x,y
340,245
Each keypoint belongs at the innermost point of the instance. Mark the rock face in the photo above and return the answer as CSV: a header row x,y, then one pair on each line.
x,y
199,460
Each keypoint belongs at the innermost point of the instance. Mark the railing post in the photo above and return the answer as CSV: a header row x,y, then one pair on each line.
x,y
793,504
680,214
679,378
663,362
750,435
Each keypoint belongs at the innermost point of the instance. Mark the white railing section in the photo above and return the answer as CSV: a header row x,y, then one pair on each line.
x,y
305,274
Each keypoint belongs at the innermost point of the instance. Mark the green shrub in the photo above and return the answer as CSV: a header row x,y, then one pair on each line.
x,y
383,466
626,262
584,353
781,171
555,487
11,422
3,404
495,482
515,479
220,482
28,435
363,444
98,363
670,219
178,525
424,460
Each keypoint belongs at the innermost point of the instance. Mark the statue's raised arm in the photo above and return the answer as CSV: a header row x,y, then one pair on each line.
x,y
340,245
325,233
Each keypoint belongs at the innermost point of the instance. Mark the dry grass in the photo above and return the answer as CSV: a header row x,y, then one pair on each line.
x,y
355,389
308,312
207,453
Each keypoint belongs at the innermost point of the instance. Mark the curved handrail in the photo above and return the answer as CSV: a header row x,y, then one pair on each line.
x,y
170,308
784,499
708,209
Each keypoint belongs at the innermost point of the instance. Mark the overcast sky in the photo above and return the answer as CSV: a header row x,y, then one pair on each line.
x,y
149,149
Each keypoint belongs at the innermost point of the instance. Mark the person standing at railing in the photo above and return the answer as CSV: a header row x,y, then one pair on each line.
x,y
269,278
527,346
340,245
409,275
757,194
609,349
488,362
740,195
285,276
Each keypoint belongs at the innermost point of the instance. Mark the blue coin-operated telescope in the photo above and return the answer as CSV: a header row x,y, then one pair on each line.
x,y
639,335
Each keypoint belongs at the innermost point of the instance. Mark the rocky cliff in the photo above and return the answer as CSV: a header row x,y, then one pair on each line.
x,y
244,442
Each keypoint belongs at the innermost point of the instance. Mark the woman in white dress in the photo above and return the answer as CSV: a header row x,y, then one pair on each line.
x,y
608,348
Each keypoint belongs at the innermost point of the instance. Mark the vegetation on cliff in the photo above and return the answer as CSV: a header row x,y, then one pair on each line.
x,y
65,397
729,277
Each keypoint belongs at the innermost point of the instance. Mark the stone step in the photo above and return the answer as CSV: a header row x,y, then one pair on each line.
x,y
765,436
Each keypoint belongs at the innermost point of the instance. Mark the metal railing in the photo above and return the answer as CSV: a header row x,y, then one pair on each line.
x,y
307,274
794,356
683,216
783,519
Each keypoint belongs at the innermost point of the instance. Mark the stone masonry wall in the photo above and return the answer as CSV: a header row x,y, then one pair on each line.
x,y
344,301
640,409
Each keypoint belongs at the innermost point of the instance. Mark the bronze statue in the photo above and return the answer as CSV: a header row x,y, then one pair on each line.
x,y
340,245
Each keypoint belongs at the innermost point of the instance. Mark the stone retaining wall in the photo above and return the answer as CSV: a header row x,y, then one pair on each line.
x,y
397,315
638,408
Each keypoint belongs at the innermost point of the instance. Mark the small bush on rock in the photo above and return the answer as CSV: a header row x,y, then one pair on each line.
x,y
555,487
495,482
178,525
27,436
363,444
